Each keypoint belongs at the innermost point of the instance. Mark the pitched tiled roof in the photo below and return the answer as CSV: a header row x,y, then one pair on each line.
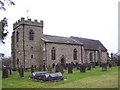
x,y
90,44
58,39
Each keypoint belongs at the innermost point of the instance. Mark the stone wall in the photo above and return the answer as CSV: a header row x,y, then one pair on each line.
x,y
62,49
29,52
95,56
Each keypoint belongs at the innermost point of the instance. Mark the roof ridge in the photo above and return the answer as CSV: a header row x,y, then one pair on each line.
x,y
84,38
55,36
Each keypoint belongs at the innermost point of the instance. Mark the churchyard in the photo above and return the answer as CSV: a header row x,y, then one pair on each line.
x,y
91,78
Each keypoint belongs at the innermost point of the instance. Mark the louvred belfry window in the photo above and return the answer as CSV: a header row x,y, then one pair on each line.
x,y
31,35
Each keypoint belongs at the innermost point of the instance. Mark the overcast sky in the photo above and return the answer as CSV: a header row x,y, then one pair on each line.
x,y
94,19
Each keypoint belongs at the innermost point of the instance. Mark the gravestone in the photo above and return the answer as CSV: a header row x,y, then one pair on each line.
x,y
4,72
10,70
109,64
88,66
93,64
96,64
49,68
59,68
70,67
104,66
35,67
100,64
73,65
82,68
32,69
21,71
44,68
78,66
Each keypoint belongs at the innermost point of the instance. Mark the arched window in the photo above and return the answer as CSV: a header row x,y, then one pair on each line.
x,y
75,54
53,53
31,35
17,61
53,65
17,36
91,57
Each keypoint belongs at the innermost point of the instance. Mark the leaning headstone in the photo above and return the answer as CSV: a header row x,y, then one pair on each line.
x,y
4,72
21,71
104,66
70,68
32,69
82,68
59,68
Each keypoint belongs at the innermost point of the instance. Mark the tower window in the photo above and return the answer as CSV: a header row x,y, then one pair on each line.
x,y
53,53
75,54
31,56
17,36
31,48
31,35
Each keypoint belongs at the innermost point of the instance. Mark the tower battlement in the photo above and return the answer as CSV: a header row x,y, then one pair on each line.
x,y
27,22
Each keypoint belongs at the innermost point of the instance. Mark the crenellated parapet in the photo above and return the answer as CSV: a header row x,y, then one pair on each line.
x,y
29,22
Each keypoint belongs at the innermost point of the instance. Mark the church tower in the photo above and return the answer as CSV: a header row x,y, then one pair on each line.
x,y
27,46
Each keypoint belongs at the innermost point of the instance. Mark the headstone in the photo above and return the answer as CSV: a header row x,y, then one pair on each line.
x,y
70,67
100,64
73,65
44,68
59,68
96,63
82,68
66,65
78,66
49,68
10,70
32,69
110,65
4,72
104,66
21,71
88,66
93,64
35,67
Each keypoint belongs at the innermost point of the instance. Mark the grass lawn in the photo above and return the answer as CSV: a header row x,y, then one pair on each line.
x,y
91,79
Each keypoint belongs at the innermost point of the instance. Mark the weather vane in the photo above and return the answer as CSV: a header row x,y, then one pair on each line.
x,y
27,13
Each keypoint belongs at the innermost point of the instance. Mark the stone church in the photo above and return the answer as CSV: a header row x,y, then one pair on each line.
x,y
31,47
